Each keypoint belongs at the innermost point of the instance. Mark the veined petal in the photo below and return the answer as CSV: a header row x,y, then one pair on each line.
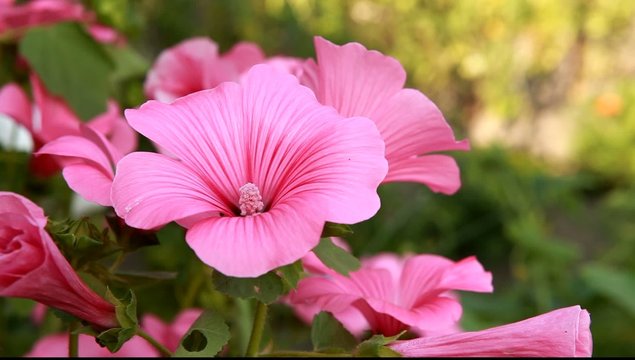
x,y
354,80
146,182
252,245
439,172
79,148
560,333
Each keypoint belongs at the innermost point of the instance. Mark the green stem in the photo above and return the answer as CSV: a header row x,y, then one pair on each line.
x,y
118,260
73,340
257,329
305,354
157,345
193,289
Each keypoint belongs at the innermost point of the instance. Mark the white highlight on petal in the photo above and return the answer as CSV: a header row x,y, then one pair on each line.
x,y
250,201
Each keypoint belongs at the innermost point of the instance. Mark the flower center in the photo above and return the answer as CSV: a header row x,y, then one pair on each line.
x,y
250,201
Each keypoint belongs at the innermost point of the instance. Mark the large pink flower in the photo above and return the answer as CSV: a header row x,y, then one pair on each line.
x,y
49,118
359,82
169,335
17,18
259,168
33,267
560,333
88,162
195,64
395,294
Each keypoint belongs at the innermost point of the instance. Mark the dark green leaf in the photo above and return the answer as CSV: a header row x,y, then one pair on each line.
x,y
71,65
64,316
376,346
266,288
616,285
328,334
333,229
125,307
114,338
205,338
335,257
290,275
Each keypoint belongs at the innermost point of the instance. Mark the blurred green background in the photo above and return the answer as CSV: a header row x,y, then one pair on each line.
x,y
544,91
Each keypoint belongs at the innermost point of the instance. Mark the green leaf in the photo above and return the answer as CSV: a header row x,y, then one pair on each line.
x,y
333,229
64,316
616,285
114,338
205,338
290,275
335,257
327,334
71,65
128,63
266,288
125,307
376,346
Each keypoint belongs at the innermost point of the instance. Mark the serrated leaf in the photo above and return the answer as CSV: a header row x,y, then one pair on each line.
x,y
290,275
333,229
328,334
266,288
335,257
376,346
125,307
205,338
114,338
616,285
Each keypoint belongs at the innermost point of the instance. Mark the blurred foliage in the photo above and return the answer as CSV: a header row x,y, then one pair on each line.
x,y
543,89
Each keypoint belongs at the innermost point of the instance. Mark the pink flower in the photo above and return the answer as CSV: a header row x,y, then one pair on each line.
x,y
169,335
195,64
260,167
359,82
17,18
560,333
395,294
88,162
49,118
33,267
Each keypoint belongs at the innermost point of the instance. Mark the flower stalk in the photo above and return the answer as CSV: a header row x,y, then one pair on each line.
x,y
257,330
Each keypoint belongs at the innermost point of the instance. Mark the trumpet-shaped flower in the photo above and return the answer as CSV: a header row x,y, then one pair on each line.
x,y
49,118
34,268
359,82
88,163
560,333
257,170
395,294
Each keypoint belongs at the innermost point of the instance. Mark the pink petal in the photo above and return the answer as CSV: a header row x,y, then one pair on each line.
x,y
79,148
145,182
115,129
15,104
252,245
181,69
90,182
243,56
439,172
561,333
56,345
55,118
354,80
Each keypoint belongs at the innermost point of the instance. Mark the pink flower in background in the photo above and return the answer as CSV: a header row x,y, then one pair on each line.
x,y
49,118
169,335
18,18
195,64
88,162
359,82
33,267
560,333
395,294
259,168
